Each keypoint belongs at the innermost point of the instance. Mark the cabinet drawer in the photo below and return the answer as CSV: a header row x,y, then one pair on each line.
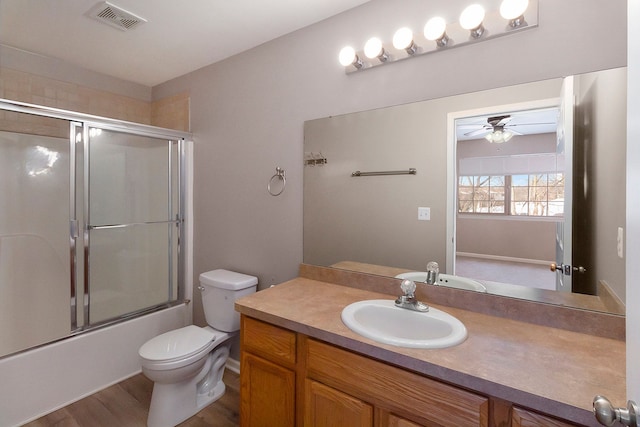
x,y
268,341
424,400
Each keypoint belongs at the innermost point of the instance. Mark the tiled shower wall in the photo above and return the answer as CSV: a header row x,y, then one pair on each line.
x,y
171,112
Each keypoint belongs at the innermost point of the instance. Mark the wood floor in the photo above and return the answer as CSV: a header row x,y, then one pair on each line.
x,y
126,404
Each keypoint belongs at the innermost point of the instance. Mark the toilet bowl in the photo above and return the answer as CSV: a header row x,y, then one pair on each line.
x,y
187,364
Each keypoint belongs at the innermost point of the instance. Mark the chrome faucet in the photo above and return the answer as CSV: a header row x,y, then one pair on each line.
x,y
433,270
408,299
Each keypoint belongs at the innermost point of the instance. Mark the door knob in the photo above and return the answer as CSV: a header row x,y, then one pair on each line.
x,y
607,415
566,269
562,268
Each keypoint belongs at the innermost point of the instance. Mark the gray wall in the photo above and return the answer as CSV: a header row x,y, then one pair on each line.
x,y
248,111
527,239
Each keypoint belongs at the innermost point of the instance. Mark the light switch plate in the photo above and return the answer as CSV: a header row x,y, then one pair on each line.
x,y
424,214
620,242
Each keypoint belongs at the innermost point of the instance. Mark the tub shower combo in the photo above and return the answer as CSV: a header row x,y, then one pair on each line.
x,y
91,223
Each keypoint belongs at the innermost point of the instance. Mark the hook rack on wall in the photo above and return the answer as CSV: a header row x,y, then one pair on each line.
x,y
314,159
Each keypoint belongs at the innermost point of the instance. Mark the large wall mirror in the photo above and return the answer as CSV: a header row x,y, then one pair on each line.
x,y
494,212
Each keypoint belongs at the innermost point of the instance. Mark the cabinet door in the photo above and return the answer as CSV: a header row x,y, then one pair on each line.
x,y
267,393
391,420
327,407
524,418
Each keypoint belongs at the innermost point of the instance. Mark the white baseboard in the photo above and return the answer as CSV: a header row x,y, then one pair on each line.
x,y
233,365
504,258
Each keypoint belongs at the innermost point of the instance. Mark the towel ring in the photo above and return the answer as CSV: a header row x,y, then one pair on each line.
x,y
279,176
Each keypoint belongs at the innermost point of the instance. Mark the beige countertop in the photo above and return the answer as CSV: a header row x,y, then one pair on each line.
x,y
551,370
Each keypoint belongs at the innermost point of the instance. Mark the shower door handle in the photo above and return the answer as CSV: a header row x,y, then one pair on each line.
x,y
73,228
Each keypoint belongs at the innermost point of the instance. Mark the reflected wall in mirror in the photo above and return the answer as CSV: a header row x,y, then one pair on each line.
x,y
370,223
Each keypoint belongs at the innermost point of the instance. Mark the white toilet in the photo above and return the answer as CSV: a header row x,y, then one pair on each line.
x,y
187,364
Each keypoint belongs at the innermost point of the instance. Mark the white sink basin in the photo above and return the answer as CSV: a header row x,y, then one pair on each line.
x,y
446,280
382,321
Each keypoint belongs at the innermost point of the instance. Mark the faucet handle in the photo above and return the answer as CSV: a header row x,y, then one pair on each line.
x,y
433,270
408,287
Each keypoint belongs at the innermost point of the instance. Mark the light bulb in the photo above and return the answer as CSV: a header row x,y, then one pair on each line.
x,y
373,48
513,9
471,18
348,56
403,39
434,30
499,136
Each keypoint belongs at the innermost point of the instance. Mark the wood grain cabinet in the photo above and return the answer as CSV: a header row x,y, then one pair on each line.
x,y
289,379
267,375
267,393
327,407
392,390
523,418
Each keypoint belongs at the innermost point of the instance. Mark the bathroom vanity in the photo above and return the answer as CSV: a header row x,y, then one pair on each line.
x,y
300,365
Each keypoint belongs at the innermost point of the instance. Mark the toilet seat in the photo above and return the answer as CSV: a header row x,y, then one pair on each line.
x,y
179,347
177,344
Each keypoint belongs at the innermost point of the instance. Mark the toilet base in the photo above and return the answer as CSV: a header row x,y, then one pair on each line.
x,y
171,404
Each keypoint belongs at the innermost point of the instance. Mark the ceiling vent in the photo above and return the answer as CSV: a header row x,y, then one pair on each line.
x,y
115,16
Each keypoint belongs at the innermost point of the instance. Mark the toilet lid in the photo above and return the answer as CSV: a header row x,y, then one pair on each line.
x,y
177,343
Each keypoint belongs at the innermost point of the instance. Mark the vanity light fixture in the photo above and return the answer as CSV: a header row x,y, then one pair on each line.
x,y
475,25
403,40
471,19
373,49
513,10
436,30
348,57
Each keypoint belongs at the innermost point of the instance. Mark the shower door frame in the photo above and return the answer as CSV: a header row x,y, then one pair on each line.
x,y
81,121
86,127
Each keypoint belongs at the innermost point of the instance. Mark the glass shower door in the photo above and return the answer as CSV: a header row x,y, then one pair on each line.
x,y
132,223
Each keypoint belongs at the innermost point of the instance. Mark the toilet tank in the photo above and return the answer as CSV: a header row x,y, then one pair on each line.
x,y
220,290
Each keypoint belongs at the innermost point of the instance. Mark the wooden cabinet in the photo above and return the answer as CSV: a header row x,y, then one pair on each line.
x,y
267,375
289,379
268,341
267,393
328,407
392,420
523,418
403,393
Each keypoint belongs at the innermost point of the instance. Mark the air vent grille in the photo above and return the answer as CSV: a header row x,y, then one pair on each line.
x,y
114,16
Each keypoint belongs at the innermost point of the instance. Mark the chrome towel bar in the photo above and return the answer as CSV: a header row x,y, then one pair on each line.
x,y
411,171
